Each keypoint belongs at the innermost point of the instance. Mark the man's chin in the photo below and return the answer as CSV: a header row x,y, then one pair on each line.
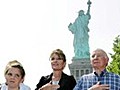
x,y
95,66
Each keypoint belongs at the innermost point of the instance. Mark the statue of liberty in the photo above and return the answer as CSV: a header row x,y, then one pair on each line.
x,y
80,30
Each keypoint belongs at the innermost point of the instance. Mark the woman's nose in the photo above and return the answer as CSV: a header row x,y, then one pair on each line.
x,y
13,76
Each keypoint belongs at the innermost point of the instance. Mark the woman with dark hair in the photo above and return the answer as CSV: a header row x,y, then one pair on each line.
x,y
57,80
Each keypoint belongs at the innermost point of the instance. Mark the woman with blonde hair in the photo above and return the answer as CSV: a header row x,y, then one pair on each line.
x,y
14,74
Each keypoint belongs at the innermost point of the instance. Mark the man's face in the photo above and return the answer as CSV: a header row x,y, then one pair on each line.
x,y
99,60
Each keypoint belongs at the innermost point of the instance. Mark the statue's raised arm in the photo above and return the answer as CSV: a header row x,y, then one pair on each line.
x,y
89,4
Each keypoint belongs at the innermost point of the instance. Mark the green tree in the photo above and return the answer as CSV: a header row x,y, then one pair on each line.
x,y
114,65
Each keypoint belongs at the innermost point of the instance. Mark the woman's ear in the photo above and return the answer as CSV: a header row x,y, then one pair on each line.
x,y
22,80
64,65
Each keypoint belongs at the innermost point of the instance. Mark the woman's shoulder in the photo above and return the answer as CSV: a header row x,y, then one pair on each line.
x,y
68,76
69,79
3,86
47,76
24,87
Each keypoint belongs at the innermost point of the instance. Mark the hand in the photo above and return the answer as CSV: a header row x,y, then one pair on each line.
x,y
49,86
99,87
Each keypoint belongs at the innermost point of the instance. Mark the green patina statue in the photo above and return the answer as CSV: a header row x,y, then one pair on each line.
x,y
80,30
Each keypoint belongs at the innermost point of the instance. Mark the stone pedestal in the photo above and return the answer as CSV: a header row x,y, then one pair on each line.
x,y
79,67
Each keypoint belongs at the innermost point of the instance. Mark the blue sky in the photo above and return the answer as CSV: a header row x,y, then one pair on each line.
x,y
31,29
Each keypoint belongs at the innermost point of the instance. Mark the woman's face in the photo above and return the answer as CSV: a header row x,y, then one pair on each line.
x,y
13,77
57,63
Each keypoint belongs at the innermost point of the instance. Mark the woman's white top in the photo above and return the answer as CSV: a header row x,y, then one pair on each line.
x,y
22,87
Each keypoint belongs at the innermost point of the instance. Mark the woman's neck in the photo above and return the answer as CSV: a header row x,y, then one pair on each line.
x,y
17,88
57,75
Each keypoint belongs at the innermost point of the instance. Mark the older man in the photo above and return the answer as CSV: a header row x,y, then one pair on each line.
x,y
100,79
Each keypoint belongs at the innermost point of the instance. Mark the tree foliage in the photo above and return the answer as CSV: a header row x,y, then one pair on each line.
x,y
114,65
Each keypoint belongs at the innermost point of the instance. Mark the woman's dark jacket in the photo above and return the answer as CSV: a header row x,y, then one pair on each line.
x,y
66,82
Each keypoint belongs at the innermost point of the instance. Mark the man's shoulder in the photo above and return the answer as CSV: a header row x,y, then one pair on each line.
x,y
87,76
113,75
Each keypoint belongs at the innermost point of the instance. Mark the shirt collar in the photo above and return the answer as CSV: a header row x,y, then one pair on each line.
x,y
102,73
